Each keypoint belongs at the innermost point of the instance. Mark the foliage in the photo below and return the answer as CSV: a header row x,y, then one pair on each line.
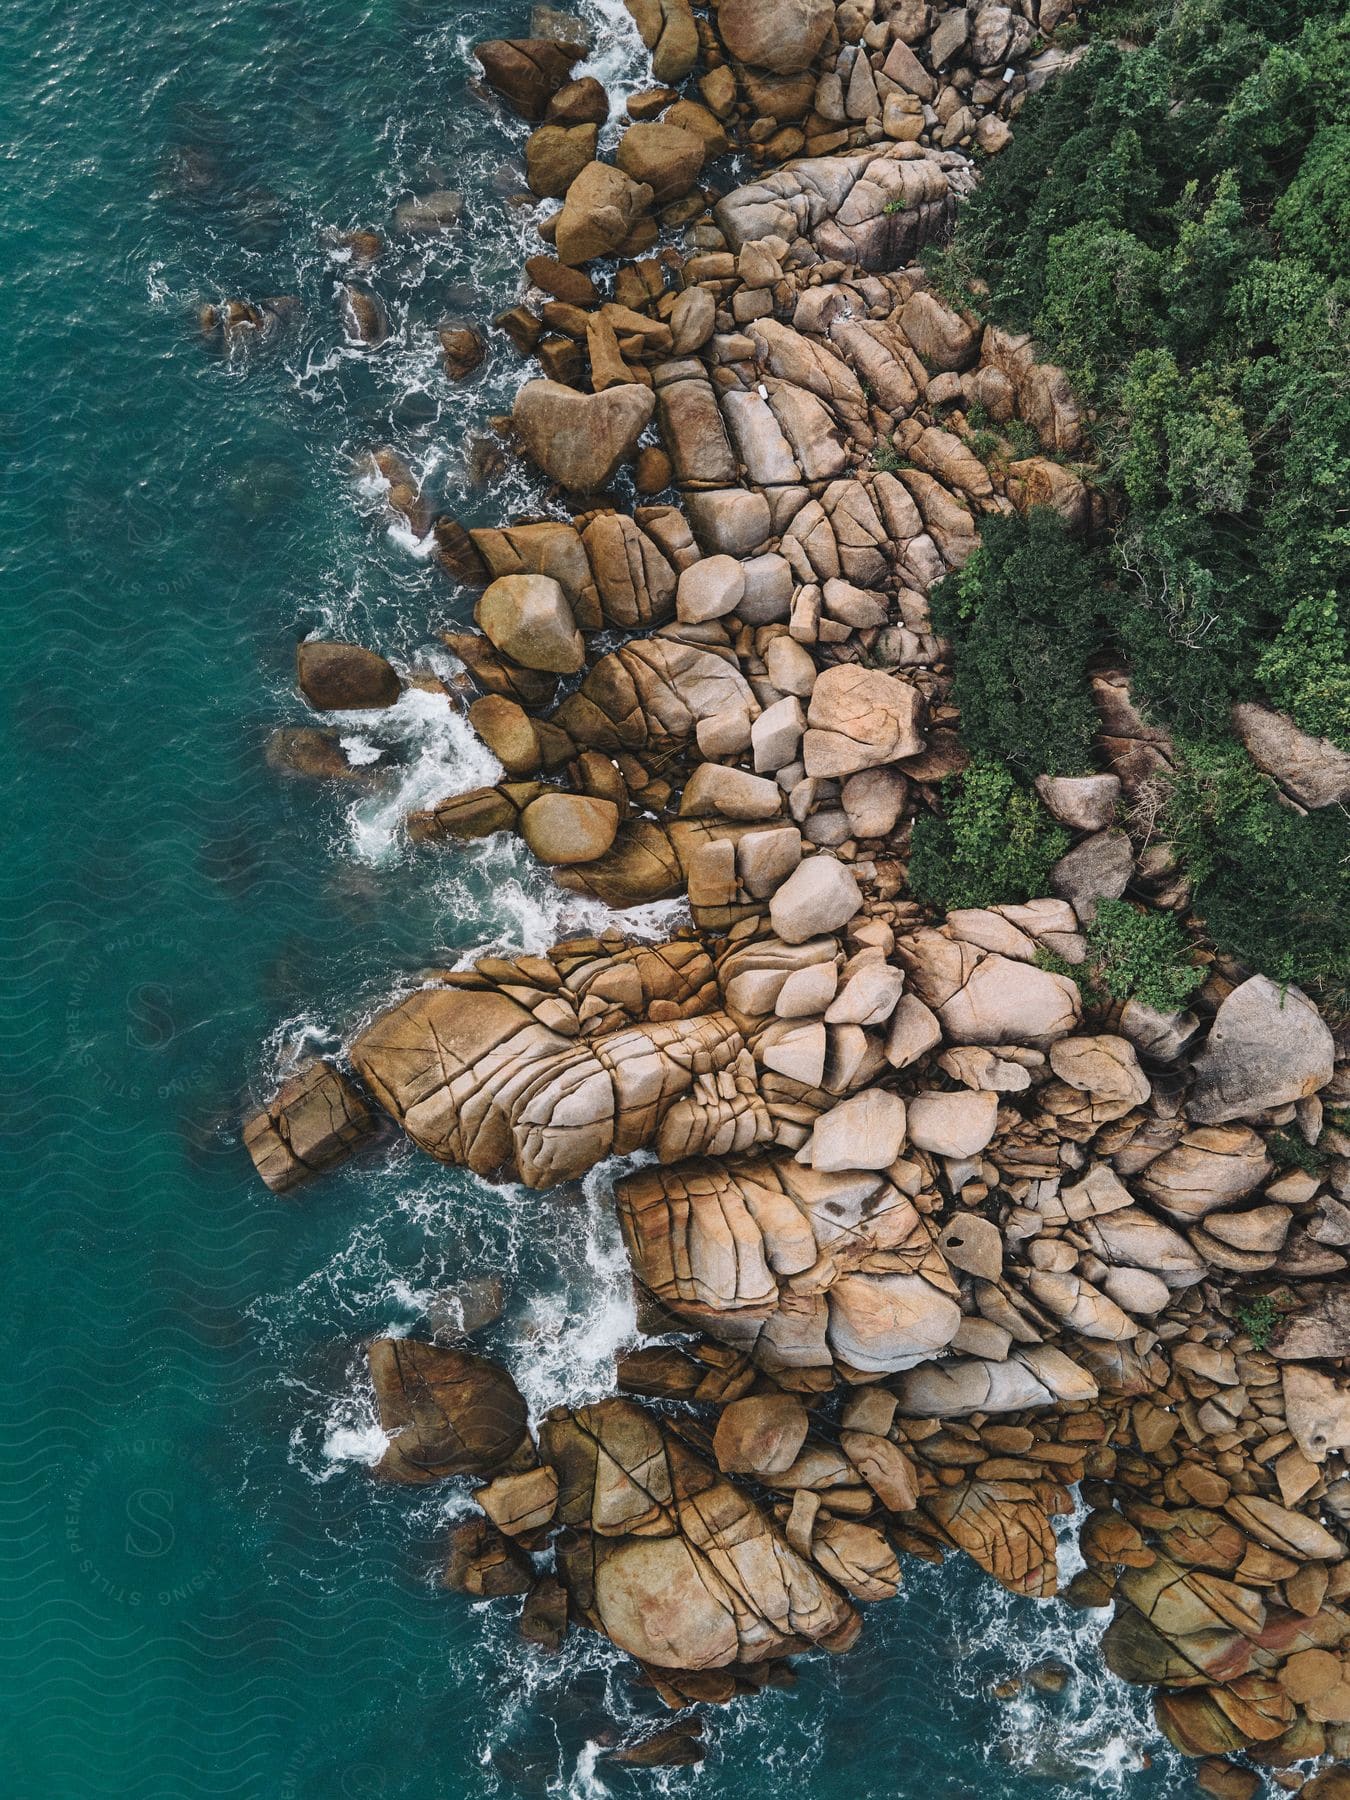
x,y
1141,955
1258,1318
1132,954
1291,1150
995,842
1306,671
1272,885
1173,224
1023,621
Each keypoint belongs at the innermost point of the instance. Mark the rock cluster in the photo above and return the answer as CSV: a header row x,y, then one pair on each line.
x,y
927,1238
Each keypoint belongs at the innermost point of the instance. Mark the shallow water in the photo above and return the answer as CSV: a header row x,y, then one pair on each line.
x,y
201,1594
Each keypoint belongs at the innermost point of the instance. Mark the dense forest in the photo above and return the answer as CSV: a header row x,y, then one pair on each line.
x,y
1172,221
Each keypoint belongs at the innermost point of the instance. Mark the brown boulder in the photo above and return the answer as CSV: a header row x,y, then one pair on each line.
x,y
569,828
1268,1046
580,102
760,1435
543,1620
601,211
484,1564
781,36
527,72
666,157
667,29
555,155
445,1412
339,677
579,440
313,1121
668,1559
860,718
1312,770
462,350
527,618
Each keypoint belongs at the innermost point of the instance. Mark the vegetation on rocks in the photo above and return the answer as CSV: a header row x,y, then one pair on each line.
x,y
1021,616
1141,955
1171,223
1272,885
994,843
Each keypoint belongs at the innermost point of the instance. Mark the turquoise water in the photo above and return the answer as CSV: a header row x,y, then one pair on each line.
x,y
201,1593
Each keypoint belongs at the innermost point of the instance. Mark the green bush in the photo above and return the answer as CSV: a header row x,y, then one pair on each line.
x,y
1172,222
1272,885
994,842
1022,618
1312,215
1306,671
1258,1318
1141,955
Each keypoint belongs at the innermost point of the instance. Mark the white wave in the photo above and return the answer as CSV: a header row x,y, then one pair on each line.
x,y
585,1783
619,60
445,756
494,896
360,751
294,1041
562,1349
1099,1733
364,1444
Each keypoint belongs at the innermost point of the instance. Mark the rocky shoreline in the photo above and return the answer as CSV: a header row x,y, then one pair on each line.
x,y
931,1232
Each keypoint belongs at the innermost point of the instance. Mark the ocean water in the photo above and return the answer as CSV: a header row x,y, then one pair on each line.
x,y
201,1591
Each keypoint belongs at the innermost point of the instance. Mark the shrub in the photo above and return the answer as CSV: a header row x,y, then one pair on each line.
x,y
995,842
1172,223
1306,671
1258,1318
1022,619
1272,885
1141,955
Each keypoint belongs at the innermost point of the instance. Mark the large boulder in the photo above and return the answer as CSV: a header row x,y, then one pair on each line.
x,y
555,155
562,829
667,29
760,1435
313,1121
956,1124
1312,770
579,440
1210,1167
665,157
866,1131
478,1078
860,718
986,998
527,618
600,213
782,36
721,1247
340,677
527,72
821,895
1268,1046
445,1412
